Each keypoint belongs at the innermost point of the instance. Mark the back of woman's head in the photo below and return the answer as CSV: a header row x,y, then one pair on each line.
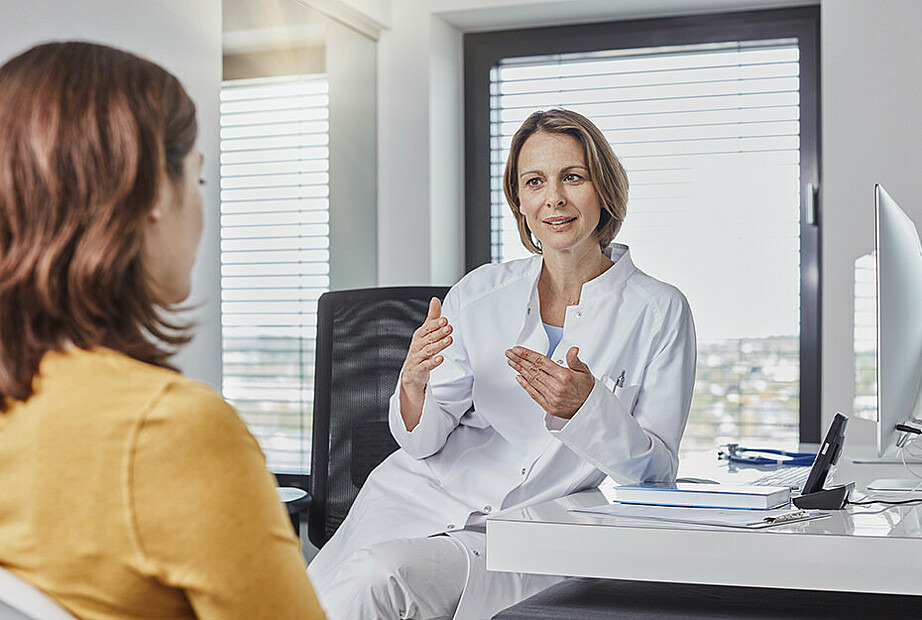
x,y
87,133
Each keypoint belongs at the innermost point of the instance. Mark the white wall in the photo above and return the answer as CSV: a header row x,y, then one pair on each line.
x,y
184,37
403,147
350,67
872,92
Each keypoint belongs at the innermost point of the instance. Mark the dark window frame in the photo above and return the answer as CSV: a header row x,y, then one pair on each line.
x,y
484,50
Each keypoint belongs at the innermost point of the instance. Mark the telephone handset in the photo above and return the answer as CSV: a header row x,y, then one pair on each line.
x,y
814,495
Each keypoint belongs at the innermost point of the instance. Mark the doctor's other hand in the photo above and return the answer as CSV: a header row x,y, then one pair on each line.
x,y
432,337
559,390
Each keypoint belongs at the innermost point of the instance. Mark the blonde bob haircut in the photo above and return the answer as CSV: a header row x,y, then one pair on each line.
x,y
605,171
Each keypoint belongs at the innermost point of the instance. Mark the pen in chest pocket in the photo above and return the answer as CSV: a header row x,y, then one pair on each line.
x,y
620,382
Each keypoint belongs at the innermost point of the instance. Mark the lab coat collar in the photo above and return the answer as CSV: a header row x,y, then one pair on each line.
x,y
532,335
615,275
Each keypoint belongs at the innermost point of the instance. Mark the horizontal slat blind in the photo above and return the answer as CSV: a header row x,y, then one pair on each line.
x,y
274,255
865,403
709,135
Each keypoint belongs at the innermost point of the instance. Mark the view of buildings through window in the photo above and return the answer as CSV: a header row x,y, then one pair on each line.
x,y
709,136
274,255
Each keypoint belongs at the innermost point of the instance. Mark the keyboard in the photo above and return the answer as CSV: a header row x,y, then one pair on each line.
x,y
794,477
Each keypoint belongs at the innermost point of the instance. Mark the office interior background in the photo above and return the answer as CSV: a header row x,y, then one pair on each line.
x,y
361,104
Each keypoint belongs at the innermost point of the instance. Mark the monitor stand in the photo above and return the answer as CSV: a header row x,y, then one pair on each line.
x,y
896,484
867,455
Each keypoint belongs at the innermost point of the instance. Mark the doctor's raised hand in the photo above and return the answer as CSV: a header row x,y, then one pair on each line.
x,y
559,390
429,340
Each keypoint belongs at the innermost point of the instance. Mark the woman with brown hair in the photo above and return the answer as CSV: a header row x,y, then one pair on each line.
x,y
126,490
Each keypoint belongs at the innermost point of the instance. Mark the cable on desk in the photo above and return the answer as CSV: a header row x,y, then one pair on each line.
x,y
899,502
875,512
905,449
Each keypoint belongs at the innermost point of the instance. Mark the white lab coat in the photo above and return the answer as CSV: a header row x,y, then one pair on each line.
x,y
482,444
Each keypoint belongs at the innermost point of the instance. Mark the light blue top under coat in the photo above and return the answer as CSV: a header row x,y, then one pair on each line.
x,y
554,334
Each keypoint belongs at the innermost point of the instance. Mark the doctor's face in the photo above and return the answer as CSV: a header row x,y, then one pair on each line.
x,y
556,195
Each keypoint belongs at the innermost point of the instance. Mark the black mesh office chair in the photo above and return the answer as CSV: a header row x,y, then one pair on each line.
x,y
362,340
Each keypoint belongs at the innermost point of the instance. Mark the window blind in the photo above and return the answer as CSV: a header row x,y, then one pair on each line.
x,y
709,136
865,328
274,255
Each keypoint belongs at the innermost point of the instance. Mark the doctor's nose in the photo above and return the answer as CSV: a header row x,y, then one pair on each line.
x,y
555,197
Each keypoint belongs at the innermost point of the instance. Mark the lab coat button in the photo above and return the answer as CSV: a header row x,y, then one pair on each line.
x,y
451,526
487,508
578,314
528,311
523,471
475,552
560,362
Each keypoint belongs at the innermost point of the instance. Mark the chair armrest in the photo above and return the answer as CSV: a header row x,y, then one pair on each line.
x,y
294,497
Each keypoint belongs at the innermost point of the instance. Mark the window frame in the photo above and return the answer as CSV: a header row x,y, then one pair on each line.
x,y
484,50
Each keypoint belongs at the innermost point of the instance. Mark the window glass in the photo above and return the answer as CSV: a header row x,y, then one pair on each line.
x,y
865,402
710,137
275,257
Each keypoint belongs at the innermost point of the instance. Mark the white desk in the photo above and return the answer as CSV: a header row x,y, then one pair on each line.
x,y
849,551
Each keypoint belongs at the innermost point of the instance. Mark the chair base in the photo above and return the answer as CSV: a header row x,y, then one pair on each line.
x,y
598,599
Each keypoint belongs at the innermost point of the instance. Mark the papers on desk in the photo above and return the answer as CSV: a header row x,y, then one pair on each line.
x,y
749,519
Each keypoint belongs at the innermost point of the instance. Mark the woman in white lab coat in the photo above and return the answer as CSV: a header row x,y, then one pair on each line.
x,y
535,379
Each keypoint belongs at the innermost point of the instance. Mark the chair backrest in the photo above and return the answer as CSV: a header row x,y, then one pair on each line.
x,y
20,600
362,340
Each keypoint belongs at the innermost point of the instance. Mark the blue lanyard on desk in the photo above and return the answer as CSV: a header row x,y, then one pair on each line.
x,y
735,453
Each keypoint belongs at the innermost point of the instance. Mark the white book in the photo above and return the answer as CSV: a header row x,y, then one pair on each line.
x,y
703,495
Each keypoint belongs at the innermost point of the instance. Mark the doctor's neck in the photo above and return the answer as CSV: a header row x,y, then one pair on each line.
x,y
563,273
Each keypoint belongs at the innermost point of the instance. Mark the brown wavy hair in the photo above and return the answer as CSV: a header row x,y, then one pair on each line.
x,y
87,133
605,171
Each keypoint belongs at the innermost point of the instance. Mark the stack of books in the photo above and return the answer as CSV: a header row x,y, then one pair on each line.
x,y
703,495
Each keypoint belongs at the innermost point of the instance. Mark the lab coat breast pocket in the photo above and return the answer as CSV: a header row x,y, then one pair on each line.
x,y
627,395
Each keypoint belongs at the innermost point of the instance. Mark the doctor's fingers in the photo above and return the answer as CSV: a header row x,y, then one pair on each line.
x,y
435,308
536,394
539,378
425,352
558,398
420,362
556,387
434,348
430,333
534,366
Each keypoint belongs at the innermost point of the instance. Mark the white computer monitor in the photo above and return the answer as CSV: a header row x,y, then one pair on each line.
x,y
899,320
898,280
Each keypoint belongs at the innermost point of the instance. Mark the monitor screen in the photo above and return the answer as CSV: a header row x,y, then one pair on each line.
x,y
897,339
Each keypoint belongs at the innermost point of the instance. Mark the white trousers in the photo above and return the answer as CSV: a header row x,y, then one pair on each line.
x,y
406,578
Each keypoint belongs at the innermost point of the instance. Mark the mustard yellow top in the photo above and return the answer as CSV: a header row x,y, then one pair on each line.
x,y
130,491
